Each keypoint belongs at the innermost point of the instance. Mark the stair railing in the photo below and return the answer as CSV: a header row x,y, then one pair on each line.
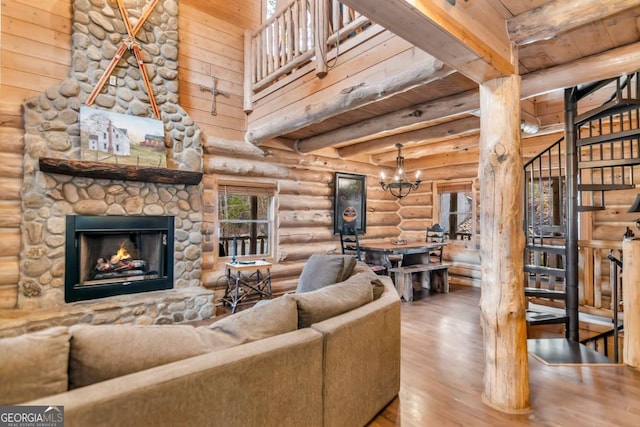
x,y
615,268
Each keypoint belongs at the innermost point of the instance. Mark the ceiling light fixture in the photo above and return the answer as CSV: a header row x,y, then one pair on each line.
x,y
530,128
400,185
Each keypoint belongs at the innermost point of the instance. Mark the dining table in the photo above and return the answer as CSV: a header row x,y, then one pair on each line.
x,y
379,252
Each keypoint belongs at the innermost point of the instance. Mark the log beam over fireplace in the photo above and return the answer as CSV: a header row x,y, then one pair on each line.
x,y
100,170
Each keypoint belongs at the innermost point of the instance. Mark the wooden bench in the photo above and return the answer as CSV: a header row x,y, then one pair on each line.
x,y
404,284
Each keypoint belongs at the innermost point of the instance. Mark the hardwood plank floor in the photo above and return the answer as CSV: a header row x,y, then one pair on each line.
x,y
442,370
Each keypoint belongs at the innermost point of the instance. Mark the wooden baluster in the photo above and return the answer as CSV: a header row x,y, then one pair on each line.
x,y
250,64
597,273
321,38
305,24
295,14
275,54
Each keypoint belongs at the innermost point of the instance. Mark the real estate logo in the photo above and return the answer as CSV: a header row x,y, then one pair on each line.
x,y
31,416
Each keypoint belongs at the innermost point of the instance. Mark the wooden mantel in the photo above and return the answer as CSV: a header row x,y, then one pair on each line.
x,y
100,170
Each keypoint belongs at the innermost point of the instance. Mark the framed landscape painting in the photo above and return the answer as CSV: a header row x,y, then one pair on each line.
x,y
121,139
350,202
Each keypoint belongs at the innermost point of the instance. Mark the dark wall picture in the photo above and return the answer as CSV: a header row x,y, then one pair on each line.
x,y
350,203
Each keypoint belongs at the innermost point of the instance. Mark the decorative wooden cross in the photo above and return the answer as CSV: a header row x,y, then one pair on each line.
x,y
214,92
131,44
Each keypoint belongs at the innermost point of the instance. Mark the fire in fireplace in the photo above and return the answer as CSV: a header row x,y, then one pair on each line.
x,y
113,255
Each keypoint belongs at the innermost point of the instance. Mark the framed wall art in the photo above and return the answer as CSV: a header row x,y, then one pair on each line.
x,y
111,137
350,201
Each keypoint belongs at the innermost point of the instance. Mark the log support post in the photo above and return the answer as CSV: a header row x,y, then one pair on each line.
x,y
250,60
631,293
321,37
502,305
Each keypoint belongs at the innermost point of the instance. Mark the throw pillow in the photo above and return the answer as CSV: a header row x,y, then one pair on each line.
x,y
322,270
332,300
34,365
270,318
376,283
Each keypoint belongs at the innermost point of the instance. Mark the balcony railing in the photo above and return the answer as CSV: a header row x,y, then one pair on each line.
x,y
302,32
596,280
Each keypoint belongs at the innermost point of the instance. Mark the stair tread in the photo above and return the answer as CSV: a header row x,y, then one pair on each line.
x,y
604,187
556,249
614,106
616,136
542,318
590,208
551,271
544,293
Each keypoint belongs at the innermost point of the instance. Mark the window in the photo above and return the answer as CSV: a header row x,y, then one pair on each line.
x,y
269,8
544,205
246,213
456,211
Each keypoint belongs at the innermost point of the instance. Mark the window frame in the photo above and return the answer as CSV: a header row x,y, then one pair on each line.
x,y
444,187
268,187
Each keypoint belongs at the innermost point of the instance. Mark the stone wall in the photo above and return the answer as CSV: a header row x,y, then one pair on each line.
x,y
52,129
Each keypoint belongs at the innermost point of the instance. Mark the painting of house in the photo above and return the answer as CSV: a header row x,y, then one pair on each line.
x,y
117,138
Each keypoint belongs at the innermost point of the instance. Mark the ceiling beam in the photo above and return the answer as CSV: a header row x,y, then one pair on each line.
x,y
416,75
597,67
469,37
611,63
455,127
432,148
557,16
405,118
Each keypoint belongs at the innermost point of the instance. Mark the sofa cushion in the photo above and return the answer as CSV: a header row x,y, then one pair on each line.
x,y
332,300
34,365
270,318
322,270
102,352
376,283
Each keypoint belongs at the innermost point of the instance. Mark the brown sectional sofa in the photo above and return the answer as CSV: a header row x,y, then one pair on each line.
x,y
340,371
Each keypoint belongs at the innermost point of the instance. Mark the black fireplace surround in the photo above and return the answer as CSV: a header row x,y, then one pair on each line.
x,y
115,255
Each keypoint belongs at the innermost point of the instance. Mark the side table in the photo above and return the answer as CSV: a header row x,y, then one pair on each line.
x,y
247,279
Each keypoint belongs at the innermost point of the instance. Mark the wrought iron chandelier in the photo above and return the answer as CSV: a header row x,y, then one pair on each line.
x,y
400,185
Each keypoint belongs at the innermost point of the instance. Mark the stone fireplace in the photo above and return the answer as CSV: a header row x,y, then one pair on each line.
x,y
52,131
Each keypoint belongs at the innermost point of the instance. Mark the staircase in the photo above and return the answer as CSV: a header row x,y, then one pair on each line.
x,y
601,149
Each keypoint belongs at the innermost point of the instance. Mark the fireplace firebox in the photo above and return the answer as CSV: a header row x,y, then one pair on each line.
x,y
114,255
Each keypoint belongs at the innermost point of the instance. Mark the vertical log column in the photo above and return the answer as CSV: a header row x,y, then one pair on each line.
x,y
502,305
631,292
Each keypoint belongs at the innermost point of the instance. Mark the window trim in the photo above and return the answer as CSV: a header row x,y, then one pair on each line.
x,y
457,186
264,187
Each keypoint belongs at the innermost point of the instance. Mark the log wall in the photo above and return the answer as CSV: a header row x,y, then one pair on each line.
x,y
35,46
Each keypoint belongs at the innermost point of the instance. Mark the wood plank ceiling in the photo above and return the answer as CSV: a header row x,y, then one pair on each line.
x,y
561,43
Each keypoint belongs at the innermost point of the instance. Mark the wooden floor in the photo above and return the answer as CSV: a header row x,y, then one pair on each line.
x,y
442,368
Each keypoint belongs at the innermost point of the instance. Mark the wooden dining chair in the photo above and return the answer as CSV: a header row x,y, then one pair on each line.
x,y
351,245
435,234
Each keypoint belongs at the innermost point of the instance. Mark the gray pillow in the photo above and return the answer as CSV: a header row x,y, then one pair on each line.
x,y
34,365
332,300
270,318
322,270
376,283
